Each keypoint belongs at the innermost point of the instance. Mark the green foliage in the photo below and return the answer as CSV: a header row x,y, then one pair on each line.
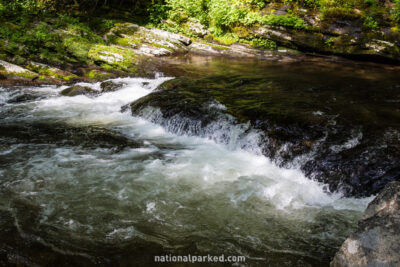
x,y
259,4
227,39
221,15
313,4
194,8
370,2
329,42
370,23
396,11
17,7
263,43
157,12
287,20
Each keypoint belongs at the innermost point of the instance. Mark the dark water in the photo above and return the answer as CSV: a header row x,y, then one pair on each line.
x,y
218,162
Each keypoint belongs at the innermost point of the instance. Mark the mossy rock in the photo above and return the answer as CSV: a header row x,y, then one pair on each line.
x,y
78,90
98,75
125,28
78,47
51,72
242,31
128,41
120,58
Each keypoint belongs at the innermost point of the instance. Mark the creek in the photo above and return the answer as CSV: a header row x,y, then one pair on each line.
x,y
90,180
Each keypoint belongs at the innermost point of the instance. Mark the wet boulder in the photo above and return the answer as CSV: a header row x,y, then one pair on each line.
x,y
182,105
78,90
110,86
376,242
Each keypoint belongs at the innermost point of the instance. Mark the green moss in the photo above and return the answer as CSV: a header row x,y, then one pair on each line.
x,y
45,71
263,43
78,47
128,41
219,47
333,13
119,58
28,75
241,31
329,42
161,46
227,39
98,75
287,20
125,28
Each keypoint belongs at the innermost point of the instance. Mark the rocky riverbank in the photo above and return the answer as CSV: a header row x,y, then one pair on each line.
x,y
73,52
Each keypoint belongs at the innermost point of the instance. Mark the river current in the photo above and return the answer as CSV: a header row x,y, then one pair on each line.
x,y
84,183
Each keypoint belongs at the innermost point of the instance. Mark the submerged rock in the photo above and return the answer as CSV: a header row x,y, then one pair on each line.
x,y
78,90
376,242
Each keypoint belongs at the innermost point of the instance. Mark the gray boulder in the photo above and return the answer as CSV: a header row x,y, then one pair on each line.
x,y
376,241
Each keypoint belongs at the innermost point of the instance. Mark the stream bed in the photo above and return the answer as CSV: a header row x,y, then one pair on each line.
x,y
117,178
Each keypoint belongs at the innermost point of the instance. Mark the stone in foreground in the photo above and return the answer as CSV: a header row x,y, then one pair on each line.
x,y
376,241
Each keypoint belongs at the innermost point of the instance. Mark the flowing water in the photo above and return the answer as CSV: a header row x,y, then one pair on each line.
x,y
83,183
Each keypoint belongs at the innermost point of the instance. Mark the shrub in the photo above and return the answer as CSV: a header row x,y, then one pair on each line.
x,y
396,11
369,22
305,3
263,43
193,8
287,20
